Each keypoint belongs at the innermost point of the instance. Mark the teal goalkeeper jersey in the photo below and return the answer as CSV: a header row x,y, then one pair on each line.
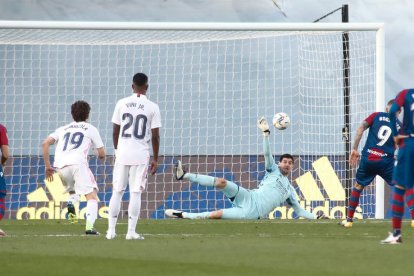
x,y
272,192
275,189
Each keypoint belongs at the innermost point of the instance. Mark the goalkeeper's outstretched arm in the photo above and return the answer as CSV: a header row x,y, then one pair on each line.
x,y
292,201
269,161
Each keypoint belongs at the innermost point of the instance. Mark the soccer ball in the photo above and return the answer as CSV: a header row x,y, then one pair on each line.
x,y
281,120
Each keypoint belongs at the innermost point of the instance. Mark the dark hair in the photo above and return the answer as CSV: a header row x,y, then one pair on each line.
x,y
286,155
80,111
390,102
140,79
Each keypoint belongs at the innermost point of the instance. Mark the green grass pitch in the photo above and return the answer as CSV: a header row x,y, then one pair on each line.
x,y
184,247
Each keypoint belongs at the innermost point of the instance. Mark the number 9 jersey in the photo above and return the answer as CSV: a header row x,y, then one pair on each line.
x,y
380,143
73,143
136,115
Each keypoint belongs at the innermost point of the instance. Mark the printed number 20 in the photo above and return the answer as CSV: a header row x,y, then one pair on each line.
x,y
139,126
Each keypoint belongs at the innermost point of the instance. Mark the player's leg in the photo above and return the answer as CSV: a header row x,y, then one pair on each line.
x,y
120,181
137,184
204,180
187,215
85,184
397,207
91,212
237,195
66,175
73,199
230,189
403,176
364,177
3,193
409,198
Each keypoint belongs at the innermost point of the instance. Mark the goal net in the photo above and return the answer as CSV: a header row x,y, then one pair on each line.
x,y
211,83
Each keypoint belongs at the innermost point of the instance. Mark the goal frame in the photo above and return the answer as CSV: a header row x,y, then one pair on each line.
x,y
194,26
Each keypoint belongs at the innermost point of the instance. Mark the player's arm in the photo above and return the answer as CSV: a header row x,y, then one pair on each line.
x,y
115,134
393,112
45,150
353,159
269,161
292,201
155,140
4,142
5,153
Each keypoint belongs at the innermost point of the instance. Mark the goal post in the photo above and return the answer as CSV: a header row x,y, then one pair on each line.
x,y
212,81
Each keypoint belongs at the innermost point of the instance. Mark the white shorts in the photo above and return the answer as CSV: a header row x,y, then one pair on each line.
x,y
78,178
135,175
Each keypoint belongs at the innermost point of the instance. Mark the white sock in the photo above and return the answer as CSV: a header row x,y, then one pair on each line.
x,y
73,198
114,208
91,213
134,209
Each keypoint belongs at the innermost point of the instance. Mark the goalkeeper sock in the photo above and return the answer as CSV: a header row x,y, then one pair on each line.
x,y
91,213
409,198
397,207
134,209
114,208
203,180
204,215
353,202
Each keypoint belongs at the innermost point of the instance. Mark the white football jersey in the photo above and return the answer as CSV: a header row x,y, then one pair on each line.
x,y
73,143
136,116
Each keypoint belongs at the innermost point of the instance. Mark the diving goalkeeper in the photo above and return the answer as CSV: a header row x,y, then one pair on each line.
x,y
273,191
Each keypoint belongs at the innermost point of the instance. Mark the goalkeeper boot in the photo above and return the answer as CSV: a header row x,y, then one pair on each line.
x,y
171,213
347,223
72,214
179,171
391,239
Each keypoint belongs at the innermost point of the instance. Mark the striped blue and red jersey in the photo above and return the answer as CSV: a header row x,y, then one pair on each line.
x,y
379,144
3,136
405,100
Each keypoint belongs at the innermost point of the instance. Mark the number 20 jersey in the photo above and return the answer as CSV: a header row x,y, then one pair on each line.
x,y
380,143
136,115
73,143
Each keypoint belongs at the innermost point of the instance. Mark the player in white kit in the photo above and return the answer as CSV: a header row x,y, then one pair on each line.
x,y
136,122
73,143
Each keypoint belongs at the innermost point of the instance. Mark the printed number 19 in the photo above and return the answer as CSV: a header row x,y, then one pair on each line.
x,y
75,140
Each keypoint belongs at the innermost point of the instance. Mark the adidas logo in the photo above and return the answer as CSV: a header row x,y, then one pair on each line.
x,y
333,204
53,209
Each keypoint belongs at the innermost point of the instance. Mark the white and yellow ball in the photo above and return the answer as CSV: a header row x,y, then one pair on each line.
x,y
281,120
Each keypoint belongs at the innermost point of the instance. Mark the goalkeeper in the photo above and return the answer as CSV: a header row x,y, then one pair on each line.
x,y
273,190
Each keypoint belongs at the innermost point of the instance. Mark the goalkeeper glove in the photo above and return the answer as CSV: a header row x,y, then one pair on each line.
x,y
322,216
264,126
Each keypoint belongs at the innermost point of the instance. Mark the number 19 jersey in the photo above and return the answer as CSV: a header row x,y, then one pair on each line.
x,y
73,143
136,115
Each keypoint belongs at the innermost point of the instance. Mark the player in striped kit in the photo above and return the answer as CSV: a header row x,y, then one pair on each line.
x,y
403,175
73,142
377,156
273,191
4,147
136,121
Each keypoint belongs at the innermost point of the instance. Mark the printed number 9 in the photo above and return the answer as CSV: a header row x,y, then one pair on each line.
x,y
383,134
